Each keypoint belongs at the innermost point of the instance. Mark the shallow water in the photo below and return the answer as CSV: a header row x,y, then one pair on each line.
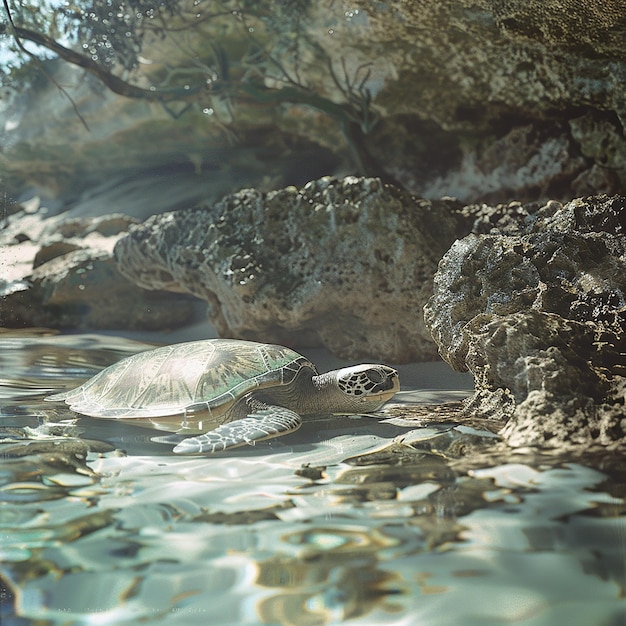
x,y
400,518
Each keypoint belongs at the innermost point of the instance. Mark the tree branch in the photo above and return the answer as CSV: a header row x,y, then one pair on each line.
x,y
20,45
110,80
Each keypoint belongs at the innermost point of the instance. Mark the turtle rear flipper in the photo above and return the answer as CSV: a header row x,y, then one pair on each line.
x,y
262,424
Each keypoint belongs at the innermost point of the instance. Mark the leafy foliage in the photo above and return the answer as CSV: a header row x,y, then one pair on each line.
x,y
205,54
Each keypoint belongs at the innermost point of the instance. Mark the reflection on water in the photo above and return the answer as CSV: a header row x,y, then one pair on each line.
x,y
355,520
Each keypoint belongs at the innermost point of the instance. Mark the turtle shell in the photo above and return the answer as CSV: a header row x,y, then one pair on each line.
x,y
170,380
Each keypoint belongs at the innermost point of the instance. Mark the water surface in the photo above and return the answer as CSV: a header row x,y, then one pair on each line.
x,y
408,517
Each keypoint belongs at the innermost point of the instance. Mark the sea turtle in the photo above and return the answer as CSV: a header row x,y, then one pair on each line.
x,y
236,392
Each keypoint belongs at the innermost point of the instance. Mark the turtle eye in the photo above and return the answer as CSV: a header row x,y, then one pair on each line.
x,y
375,376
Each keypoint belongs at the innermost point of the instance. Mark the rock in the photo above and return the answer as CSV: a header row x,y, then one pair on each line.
x,y
539,318
346,264
484,100
59,273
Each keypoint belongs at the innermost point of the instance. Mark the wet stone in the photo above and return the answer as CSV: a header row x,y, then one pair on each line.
x,y
537,317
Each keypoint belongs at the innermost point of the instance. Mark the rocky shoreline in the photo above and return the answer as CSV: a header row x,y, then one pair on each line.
x,y
528,298
400,181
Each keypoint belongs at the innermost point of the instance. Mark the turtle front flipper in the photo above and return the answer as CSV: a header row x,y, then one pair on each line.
x,y
262,424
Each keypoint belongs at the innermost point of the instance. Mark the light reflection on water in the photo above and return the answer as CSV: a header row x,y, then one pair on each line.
x,y
350,520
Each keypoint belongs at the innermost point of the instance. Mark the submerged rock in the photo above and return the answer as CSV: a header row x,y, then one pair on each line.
x,y
59,273
539,318
346,264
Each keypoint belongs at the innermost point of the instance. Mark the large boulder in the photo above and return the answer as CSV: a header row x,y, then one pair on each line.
x,y
539,318
346,264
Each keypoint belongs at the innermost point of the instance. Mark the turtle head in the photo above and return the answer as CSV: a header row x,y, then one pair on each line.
x,y
367,387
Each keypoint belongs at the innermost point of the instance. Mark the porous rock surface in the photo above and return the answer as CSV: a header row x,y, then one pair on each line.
x,y
59,272
538,317
346,264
